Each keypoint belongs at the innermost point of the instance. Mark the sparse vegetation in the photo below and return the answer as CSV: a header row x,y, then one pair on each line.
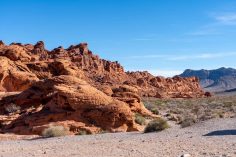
x,y
12,108
160,102
187,121
200,109
83,132
154,111
156,125
55,131
140,119
104,132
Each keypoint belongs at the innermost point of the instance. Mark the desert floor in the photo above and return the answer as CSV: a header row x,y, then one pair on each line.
x,y
214,138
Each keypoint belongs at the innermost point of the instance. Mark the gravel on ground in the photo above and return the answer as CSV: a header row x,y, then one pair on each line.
x,y
213,138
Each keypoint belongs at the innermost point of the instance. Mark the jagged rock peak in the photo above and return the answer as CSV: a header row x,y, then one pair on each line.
x,y
1,43
39,44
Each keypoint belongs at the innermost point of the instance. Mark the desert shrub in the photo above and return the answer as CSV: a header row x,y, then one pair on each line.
x,y
11,108
55,131
140,119
220,114
155,111
176,111
160,102
149,105
83,132
104,132
156,125
188,121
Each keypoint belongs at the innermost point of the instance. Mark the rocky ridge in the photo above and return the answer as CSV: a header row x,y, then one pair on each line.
x,y
79,61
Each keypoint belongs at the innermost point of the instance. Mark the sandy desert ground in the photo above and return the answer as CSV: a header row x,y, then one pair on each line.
x,y
212,138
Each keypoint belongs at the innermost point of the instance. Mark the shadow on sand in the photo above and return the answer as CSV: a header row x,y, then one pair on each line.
x,y
221,133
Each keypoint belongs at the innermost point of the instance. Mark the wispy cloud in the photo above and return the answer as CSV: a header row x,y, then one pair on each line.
x,y
143,39
186,56
218,20
205,30
226,18
203,56
148,56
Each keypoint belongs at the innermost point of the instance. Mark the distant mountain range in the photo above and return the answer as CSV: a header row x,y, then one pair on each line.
x,y
218,80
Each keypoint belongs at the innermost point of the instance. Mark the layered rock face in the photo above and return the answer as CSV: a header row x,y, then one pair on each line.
x,y
53,90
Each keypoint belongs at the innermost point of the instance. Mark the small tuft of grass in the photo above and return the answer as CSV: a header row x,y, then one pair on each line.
x,y
104,132
140,119
83,132
186,122
12,108
155,111
160,102
156,125
55,131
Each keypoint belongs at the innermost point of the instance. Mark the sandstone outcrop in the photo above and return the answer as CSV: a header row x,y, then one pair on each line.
x,y
73,103
75,88
161,87
79,61
15,76
15,52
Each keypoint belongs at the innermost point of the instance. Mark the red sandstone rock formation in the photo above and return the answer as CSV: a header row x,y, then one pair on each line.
x,y
15,76
72,102
53,90
80,62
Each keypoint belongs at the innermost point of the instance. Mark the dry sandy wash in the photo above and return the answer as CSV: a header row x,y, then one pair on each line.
x,y
213,138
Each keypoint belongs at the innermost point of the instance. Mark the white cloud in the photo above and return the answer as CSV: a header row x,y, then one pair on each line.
x,y
226,18
143,39
166,73
186,56
202,56
148,56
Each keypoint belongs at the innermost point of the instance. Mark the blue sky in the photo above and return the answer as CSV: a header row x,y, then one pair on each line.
x,y
161,36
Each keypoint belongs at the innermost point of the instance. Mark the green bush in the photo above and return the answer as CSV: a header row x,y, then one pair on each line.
x,y
156,125
140,119
55,131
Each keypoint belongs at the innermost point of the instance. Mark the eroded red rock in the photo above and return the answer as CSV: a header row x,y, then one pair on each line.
x,y
79,61
54,91
78,106
15,76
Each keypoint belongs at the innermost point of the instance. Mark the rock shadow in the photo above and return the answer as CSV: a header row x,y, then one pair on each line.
x,y
221,133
